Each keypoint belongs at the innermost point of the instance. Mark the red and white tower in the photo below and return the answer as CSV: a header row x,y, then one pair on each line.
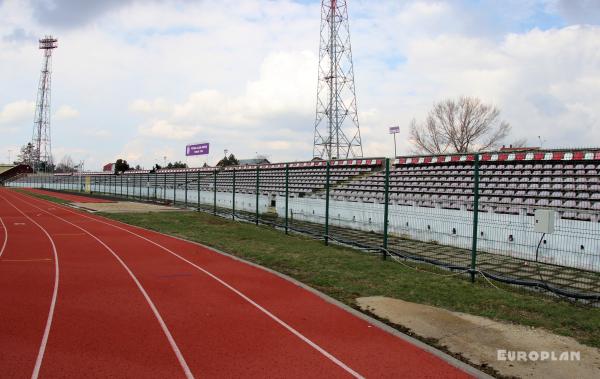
x,y
337,131
41,139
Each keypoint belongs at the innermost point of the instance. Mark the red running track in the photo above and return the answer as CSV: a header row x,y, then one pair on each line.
x,y
136,303
68,196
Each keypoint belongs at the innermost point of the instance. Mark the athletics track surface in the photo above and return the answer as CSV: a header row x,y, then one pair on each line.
x,y
68,196
83,296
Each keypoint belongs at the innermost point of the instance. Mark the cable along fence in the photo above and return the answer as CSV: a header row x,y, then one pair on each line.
x,y
470,214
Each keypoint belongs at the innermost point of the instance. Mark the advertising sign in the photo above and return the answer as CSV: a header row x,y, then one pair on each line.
x,y
196,149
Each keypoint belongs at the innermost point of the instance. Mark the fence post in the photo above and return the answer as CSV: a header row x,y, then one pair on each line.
x,y
287,193
174,188
386,199
186,179
475,218
233,198
257,190
165,189
215,191
148,187
198,191
327,204
121,185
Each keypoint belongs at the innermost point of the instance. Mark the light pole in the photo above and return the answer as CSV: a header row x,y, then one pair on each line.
x,y
9,151
395,130
80,174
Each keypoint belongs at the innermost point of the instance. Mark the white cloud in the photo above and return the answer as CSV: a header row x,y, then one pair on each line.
x,y
99,133
242,75
276,93
66,112
154,106
16,112
165,129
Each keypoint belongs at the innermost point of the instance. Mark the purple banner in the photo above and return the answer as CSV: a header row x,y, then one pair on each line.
x,y
197,149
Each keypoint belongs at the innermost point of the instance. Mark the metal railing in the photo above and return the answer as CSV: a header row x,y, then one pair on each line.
x,y
379,210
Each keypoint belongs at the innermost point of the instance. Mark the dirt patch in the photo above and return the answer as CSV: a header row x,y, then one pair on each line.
x,y
125,207
478,340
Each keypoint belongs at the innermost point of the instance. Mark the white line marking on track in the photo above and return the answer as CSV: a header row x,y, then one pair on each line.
x,y
239,293
41,351
163,325
5,237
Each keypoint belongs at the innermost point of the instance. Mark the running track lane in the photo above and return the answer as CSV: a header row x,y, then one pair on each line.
x,y
219,321
68,196
368,350
103,327
4,237
27,281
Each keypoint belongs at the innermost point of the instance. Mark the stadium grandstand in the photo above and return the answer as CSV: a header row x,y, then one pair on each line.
x,y
432,204
13,171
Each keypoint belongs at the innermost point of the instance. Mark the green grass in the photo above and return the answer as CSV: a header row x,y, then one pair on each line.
x,y
346,274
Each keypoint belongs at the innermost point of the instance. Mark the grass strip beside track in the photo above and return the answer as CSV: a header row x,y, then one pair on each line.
x,y
44,197
346,274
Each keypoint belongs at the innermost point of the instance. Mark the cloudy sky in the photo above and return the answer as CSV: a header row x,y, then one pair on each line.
x,y
140,79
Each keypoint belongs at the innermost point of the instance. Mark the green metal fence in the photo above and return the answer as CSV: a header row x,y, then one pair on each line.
x,y
454,217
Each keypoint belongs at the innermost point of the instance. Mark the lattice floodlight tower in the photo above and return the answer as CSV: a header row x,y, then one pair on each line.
x,y
337,132
41,139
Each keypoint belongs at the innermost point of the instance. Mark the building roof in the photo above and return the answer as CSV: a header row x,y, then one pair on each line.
x,y
244,162
5,167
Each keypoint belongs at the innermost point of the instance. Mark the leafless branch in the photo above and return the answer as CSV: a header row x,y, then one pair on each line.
x,y
459,126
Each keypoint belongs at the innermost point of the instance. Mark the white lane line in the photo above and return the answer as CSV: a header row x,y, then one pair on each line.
x,y
42,350
163,325
5,237
239,293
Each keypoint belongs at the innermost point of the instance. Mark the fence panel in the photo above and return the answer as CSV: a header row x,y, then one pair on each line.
x,y
566,261
465,213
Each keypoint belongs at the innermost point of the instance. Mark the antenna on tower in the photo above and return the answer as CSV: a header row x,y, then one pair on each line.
x,y
41,139
337,132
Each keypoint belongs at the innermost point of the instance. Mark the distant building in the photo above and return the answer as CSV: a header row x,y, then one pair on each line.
x,y
511,148
254,161
109,167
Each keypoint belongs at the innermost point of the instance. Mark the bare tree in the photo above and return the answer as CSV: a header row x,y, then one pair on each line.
x,y
27,154
459,126
66,165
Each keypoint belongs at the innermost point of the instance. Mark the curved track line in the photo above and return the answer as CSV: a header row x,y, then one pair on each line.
x,y
312,344
5,237
163,325
42,350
